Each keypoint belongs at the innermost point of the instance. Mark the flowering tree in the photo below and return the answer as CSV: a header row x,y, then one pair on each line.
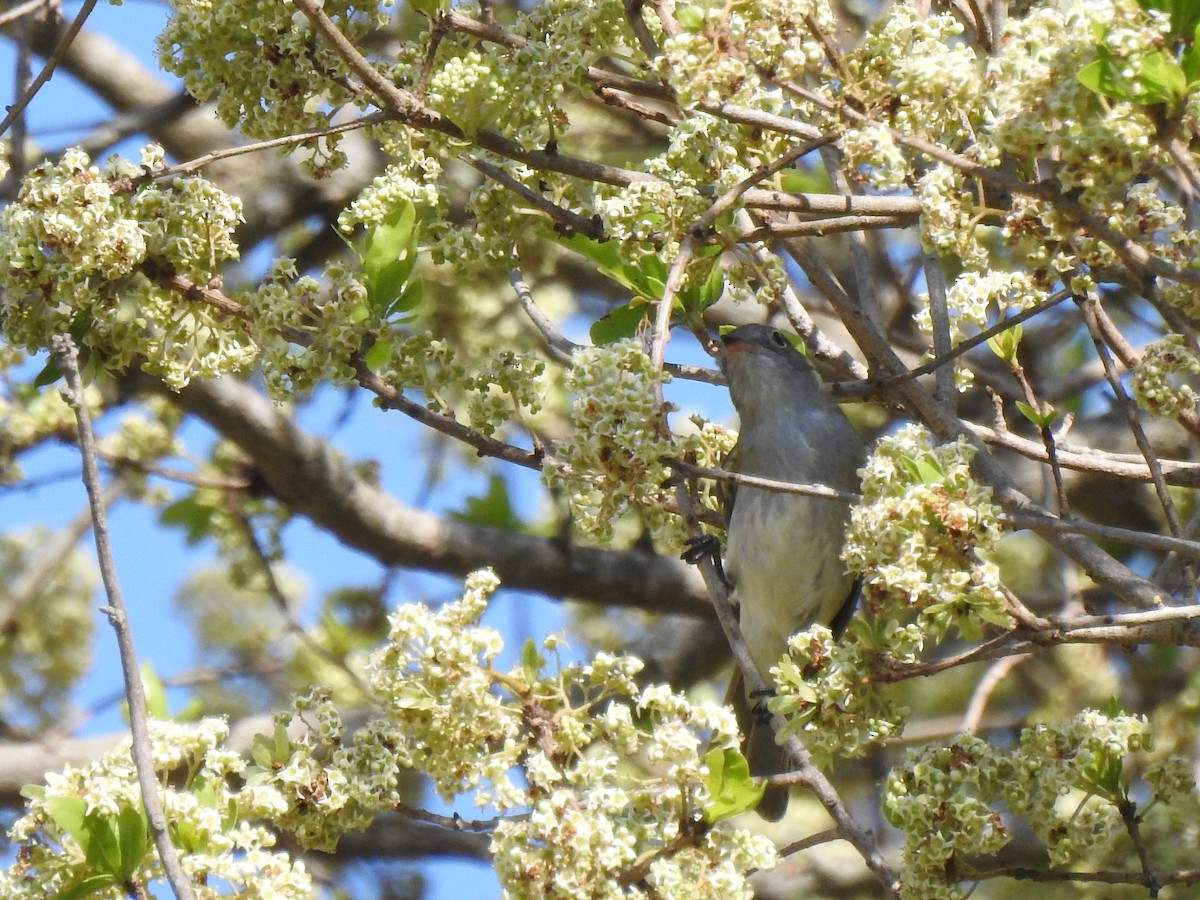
x,y
977,217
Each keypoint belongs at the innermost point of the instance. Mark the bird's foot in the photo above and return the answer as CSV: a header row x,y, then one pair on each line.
x,y
701,546
759,701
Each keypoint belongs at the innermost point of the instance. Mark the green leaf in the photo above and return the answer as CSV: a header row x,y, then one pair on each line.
x,y
1162,80
531,660
1102,77
1041,420
50,373
68,814
430,8
803,181
389,258
377,357
156,694
648,278
622,322
133,840
1005,344
491,508
104,846
926,470
731,789
87,888
203,791
707,292
195,518
690,18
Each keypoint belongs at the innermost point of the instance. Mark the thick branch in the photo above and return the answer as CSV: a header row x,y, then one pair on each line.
x,y
313,480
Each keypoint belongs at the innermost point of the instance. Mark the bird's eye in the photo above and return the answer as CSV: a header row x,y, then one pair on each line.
x,y
778,340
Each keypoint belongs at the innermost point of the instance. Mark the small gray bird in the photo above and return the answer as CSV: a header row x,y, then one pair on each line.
x,y
783,551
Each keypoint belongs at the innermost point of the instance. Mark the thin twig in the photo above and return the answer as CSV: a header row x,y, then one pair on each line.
x,y
1039,522
389,396
666,303
566,219
1021,873
977,339
452,823
826,226
1087,306
556,342
817,341
726,201
1132,822
767,484
50,65
1087,459
984,689
290,140
67,358
939,312
813,840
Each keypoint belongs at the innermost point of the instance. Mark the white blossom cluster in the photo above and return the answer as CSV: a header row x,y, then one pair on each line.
x,y
976,296
607,774
308,329
972,300
46,646
959,801
824,688
611,464
507,383
1163,378
264,68
916,535
213,823
930,78
30,416
76,243
722,49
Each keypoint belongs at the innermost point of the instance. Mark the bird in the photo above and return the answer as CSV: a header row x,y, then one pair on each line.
x,y
783,551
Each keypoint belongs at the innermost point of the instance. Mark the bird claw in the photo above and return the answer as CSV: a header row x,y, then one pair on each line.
x,y
701,546
759,700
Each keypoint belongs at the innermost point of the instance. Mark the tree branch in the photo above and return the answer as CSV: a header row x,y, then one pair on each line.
x,y
314,481
67,358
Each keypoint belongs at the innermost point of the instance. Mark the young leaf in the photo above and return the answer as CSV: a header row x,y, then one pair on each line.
x,y
133,840
491,508
622,322
50,373
377,357
1005,344
194,518
731,790
389,258
104,845
156,694
531,660
1041,420
68,813
694,300
1161,80
89,887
